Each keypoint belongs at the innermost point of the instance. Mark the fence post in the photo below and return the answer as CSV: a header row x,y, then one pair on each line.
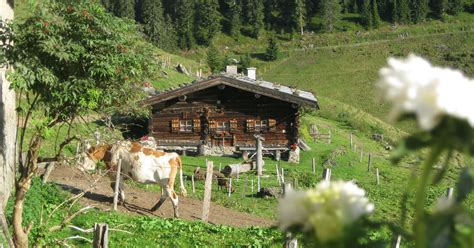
x,y
350,137
330,137
278,174
206,204
313,161
449,193
369,162
101,236
192,182
377,175
327,174
282,174
117,183
230,186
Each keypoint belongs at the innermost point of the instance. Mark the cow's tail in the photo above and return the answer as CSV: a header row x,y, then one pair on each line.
x,y
181,181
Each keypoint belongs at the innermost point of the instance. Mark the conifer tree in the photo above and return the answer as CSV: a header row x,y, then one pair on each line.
x,y
440,8
233,14
330,14
366,14
245,62
420,10
108,4
268,7
401,12
125,8
207,21
374,14
213,58
255,17
272,50
158,28
184,22
455,7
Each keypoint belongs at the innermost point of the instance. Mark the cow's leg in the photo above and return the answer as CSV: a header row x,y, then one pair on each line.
x,y
174,201
164,196
121,195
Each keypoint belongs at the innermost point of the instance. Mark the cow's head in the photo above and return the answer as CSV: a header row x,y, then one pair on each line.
x,y
93,155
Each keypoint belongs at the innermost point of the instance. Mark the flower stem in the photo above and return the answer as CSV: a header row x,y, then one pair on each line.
x,y
420,228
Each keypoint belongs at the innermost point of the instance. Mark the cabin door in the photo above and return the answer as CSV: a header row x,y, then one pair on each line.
x,y
221,135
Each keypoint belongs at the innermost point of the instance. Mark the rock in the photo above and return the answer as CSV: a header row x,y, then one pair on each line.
x,y
181,69
270,192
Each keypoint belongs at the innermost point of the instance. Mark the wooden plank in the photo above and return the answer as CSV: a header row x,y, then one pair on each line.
x,y
101,236
207,192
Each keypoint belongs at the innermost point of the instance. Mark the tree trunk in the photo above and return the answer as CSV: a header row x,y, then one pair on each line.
x,y
27,171
20,235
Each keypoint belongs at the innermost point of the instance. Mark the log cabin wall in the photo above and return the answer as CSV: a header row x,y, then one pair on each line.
x,y
224,115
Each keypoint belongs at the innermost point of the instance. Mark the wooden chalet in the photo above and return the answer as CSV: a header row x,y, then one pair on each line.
x,y
222,113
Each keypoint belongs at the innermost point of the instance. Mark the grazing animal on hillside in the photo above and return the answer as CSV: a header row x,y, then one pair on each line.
x,y
222,181
141,164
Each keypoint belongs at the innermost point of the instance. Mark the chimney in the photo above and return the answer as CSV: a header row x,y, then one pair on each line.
x,y
252,73
231,69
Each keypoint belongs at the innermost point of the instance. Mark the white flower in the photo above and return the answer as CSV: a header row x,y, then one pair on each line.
x,y
324,210
413,85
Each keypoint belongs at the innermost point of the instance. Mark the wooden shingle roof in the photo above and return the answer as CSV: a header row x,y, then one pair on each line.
x,y
261,87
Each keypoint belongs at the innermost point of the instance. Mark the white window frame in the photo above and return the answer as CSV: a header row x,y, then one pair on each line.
x,y
186,126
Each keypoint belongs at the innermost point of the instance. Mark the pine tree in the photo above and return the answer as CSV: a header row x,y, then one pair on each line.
x,y
272,50
366,14
420,10
401,12
125,8
184,20
207,21
330,14
268,7
255,17
245,62
213,58
440,8
159,30
455,7
374,14
108,4
233,13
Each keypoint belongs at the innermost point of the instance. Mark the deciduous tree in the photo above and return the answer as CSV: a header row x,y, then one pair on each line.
x,y
70,58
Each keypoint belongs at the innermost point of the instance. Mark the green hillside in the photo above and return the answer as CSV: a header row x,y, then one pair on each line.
x,y
349,73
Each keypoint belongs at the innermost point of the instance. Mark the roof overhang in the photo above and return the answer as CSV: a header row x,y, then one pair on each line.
x,y
263,88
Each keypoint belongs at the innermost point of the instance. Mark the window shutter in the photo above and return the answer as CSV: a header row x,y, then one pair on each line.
x,y
233,125
197,125
212,125
250,125
272,125
175,126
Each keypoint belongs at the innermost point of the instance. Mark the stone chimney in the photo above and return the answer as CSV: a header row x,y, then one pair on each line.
x,y
231,70
252,73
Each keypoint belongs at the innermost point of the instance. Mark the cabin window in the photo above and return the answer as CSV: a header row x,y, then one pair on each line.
x,y
250,126
261,126
223,126
186,126
233,125
197,125
175,126
272,125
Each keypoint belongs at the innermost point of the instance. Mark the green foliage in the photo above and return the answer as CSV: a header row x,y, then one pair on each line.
x,y
255,17
370,14
158,28
124,8
272,50
233,17
213,59
330,14
420,10
245,62
455,7
207,21
75,58
440,8
184,22
401,11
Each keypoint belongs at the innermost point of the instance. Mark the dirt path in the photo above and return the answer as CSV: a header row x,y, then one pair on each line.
x,y
138,201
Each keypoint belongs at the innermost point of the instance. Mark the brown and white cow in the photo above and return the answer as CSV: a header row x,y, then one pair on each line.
x,y
141,164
